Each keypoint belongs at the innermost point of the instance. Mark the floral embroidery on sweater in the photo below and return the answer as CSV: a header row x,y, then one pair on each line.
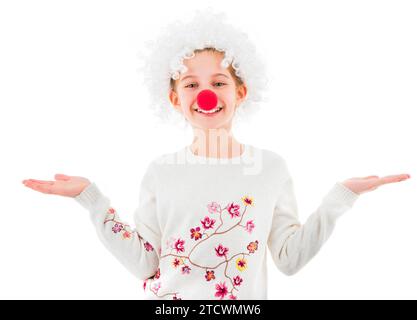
x,y
126,232
210,227
123,228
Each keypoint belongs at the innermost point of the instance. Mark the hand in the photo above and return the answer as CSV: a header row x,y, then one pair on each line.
x,y
362,185
68,186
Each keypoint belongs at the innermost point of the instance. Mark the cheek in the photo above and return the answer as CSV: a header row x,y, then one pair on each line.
x,y
187,97
229,93
227,98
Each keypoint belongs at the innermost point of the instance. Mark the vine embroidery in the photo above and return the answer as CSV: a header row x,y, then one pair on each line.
x,y
199,234
124,229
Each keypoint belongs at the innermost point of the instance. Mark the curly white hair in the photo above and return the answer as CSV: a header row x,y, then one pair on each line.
x,y
165,56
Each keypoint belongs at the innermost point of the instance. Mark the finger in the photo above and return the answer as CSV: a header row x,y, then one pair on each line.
x,y
44,188
393,178
40,181
397,177
60,176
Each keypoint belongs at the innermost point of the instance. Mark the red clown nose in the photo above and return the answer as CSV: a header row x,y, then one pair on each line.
x,y
207,100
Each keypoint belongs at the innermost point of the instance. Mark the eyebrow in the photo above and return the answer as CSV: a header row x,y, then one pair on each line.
x,y
214,75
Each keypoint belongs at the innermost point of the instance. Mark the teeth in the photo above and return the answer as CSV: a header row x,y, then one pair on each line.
x,y
208,112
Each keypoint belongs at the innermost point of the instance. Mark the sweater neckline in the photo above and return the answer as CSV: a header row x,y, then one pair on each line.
x,y
242,156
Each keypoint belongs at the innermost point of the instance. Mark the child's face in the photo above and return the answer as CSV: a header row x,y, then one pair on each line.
x,y
203,69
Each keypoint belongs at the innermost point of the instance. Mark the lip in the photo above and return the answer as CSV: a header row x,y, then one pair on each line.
x,y
209,114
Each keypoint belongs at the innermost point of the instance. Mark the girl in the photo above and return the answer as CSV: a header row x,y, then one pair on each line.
x,y
208,212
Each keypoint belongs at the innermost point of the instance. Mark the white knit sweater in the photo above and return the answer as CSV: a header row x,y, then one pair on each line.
x,y
203,225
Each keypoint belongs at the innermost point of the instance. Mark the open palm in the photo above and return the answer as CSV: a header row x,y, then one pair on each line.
x,y
365,184
68,186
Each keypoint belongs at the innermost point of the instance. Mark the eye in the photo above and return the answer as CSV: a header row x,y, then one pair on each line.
x,y
216,84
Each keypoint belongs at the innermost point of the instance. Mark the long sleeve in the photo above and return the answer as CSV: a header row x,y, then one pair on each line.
x,y
292,245
136,249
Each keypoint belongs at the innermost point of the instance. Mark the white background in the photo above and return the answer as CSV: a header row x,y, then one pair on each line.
x,y
343,100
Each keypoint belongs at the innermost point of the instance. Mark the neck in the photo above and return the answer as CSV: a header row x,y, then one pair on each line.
x,y
215,143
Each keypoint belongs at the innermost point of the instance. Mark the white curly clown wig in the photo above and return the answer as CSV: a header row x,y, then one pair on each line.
x,y
165,56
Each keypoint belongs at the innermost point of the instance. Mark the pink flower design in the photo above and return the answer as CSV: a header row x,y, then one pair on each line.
x,y
210,275
156,286
169,244
126,235
176,262
157,274
249,226
195,233
185,269
233,209
148,246
214,207
179,245
117,228
253,246
237,280
221,251
221,290
111,211
207,223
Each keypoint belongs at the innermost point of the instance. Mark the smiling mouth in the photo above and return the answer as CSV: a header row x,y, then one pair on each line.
x,y
218,109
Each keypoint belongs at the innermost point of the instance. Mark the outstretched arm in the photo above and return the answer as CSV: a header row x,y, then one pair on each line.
x,y
137,251
292,244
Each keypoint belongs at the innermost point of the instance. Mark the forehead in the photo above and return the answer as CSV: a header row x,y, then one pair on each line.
x,y
205,62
